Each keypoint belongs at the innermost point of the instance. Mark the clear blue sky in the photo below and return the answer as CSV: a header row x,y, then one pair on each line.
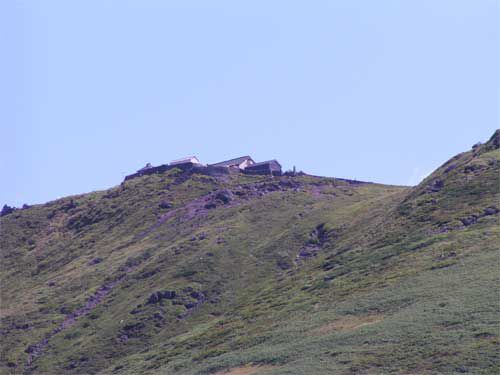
x,y
381,91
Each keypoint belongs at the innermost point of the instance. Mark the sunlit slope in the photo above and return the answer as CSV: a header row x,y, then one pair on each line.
x,y
193,274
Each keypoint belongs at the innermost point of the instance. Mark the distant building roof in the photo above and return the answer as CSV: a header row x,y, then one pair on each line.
x,y
188,159
235,161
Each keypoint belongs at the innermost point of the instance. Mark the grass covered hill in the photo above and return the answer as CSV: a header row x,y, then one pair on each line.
x,y
182,273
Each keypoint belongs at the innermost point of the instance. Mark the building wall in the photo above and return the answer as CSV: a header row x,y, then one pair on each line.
x,y
268,168
211,170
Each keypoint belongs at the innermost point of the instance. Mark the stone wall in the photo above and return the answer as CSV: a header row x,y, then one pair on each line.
x,y
211,170
263,169
154,170
194,168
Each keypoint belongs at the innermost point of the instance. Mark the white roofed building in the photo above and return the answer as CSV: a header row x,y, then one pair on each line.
x,y
189,159
241,162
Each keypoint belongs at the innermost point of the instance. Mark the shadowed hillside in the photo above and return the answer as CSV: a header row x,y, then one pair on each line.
x,y
184,273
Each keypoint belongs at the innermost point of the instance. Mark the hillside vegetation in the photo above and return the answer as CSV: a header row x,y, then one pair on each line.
x,y
183,273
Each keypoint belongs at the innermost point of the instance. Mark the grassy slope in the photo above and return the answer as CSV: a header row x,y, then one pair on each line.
x,y
399,283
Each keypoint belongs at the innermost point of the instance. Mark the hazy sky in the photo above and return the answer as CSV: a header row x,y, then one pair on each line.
x,y
381,91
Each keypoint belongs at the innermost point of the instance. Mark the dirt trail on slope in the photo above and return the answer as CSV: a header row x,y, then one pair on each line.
x,y
36,350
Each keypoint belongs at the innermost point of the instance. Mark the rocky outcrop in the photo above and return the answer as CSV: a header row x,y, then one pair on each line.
x,y
165,205
7,210
197,298
472,219
224,196
317,239
160,295
94,261
435,186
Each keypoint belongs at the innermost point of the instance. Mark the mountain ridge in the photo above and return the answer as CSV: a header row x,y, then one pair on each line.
x,y
184,273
